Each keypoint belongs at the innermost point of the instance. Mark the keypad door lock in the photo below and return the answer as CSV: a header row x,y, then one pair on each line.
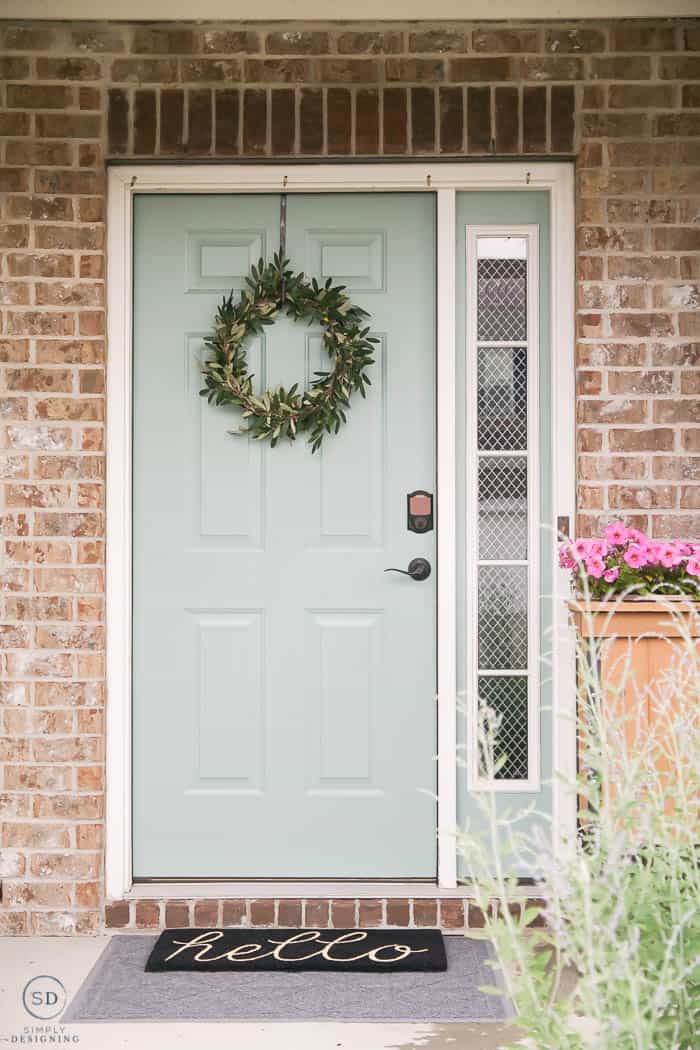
x,y
419,511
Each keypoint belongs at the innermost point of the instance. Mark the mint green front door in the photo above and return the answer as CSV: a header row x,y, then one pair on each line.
x,y
284,716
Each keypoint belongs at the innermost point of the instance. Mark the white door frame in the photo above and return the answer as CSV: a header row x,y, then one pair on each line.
x,y
445,179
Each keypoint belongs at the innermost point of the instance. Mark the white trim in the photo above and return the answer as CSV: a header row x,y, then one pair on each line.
x,y
118,868
123,181
305,890
563,440
446,536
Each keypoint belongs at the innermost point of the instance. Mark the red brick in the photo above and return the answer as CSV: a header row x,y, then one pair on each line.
x,y
311,121
371,913
425,912
534,119
562,119
117,914
147,914
148,41
177,914
145,70
343,914
278,71
369,43
574,41
423,119
367,121
254,122
144,122
226,105
234,913
262,913
398,913
478,119
506,105
172,109
653,439
206,913
551,68
295,42
484,70
289,913
339,118
199,122
637,67
316,913
451,112
282,121
451,914
395,118
228,41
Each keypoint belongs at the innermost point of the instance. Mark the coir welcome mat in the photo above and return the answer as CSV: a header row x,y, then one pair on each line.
x,y
363,951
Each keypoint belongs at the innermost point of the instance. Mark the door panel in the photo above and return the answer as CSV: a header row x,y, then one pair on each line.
x,y
284,711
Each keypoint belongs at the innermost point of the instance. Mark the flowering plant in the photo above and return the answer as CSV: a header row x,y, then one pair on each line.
x,y
625,561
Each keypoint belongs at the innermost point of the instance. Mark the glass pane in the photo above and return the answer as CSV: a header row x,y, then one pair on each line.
x,y
502,508
503,617
502,398
506,701
501,300
501,248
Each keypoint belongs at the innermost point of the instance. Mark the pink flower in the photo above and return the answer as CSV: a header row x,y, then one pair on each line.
x,y
684,549
669,556
653,551
598,547
635,556
693,565
580,548
616,532
565,559
595,566
637,536
611,575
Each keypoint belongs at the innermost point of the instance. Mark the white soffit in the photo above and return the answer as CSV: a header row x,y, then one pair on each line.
x,y
335,10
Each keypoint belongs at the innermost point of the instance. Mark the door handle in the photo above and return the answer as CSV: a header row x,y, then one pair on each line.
x,y
418,569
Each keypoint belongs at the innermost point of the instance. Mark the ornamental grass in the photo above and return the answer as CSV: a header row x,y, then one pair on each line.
x,y
620,900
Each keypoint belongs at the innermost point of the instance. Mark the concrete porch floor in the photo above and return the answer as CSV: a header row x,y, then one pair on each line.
x,y
70,959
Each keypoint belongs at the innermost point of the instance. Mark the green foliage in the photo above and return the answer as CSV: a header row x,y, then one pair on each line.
x,y
281,413
619,922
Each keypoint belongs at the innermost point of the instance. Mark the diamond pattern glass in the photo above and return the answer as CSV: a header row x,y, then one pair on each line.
x,y
502,398
502,300
502,617
503,508
506,699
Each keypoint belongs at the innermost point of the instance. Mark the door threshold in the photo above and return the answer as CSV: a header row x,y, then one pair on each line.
x,y
298,890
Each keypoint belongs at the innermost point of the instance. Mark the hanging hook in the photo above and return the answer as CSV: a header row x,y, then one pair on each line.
x,y
284,182
528,176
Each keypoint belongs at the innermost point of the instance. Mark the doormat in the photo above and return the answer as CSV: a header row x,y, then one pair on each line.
x,y
118,990
236,950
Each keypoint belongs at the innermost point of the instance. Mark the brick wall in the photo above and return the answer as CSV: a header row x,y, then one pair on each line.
x,y
624,97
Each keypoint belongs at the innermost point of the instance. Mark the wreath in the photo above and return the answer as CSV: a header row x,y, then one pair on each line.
x,y
280,413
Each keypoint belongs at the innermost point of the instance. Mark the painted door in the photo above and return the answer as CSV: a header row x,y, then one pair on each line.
x,y
283,684
504,501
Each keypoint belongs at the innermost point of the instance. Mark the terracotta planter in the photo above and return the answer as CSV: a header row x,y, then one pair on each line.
x,y
637,643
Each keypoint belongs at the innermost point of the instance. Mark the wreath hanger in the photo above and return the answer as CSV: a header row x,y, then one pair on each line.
x,y
276,413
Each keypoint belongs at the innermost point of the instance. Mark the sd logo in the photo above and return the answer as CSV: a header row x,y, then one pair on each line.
x,y
44,997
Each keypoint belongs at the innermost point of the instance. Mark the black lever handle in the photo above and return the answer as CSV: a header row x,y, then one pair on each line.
x,y
418,569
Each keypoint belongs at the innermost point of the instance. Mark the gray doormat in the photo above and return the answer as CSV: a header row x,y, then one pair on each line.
x,y
118,989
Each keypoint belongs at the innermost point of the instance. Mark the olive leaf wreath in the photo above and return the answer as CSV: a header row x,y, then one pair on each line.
x,y
280,413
